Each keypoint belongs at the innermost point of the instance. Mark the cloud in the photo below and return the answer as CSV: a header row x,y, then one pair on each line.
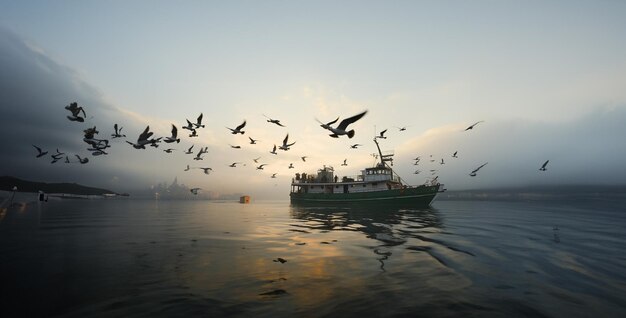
x,y
587,150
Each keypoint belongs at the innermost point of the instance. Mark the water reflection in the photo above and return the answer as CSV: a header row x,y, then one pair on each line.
x,y
389,225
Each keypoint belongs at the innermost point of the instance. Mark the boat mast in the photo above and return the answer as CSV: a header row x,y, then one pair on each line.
x,y
383,158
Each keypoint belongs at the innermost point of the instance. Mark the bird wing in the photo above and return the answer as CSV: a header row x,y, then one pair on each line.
x,y
332,122
344,123
200,119
545,163
383,132
285,140
38,149
174,131
241,126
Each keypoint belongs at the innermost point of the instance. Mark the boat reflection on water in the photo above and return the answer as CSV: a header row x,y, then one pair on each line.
x,y
389,225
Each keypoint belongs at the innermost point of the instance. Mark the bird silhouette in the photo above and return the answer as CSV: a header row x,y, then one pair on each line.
x,y
474,124
343,125
543,167
40,152
473,173
238,129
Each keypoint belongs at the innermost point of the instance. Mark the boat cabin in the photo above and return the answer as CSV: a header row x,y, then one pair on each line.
x,y
371,179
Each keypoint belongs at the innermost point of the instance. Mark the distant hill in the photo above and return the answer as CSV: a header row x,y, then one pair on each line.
x,y
7,183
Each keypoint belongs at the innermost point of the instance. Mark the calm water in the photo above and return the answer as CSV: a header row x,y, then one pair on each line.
x,y
126,258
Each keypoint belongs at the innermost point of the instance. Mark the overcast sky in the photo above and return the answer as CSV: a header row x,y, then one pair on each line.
x,y
547,79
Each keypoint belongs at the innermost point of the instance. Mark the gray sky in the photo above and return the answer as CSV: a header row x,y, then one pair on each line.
x,y
547,79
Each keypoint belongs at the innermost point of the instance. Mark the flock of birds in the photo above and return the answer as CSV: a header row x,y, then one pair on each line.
x,y
99,147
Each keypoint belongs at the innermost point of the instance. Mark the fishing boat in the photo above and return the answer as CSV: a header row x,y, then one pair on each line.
x,y
375,184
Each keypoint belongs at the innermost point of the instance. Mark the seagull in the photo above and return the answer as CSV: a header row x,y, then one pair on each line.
x,y
417,159
472,126
256,160
417,172
67,159
187,169
76,110
200,153
543,167
198,123
355,146
173,137
190,125
155,142
82,160
443,163
261,166
169,150
403,128
41,153
280,259
118,132
206,170
194,133
195,190
381,135
416,163
454,155
189,152
55,159
273,150
234,164
142,141
273,175
291,166
343,125
274,121
303,158
238,129
252,141
286,146
473,173
235,147
344,162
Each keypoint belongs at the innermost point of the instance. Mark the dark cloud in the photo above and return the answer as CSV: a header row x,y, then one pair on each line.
x,y
34,90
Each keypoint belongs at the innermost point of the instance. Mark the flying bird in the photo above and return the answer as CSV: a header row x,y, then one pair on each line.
x,y
261,166
344,162
443,163
234,164
235,147
403,128
118,132
543,167
173,138
252,141
40,152
355,146
190,126
67,159
82,160
194,133
198,123
169,150
189,152
285,146
256,160
454,155
206,170
194,190
274,151
303,158
76,110
343,125
417,172
142,140
238,129
291,166
472,126
187,169
274,121
473,173
381,135
273,175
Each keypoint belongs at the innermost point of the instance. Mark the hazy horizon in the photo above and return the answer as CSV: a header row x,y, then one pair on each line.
x,y
546,79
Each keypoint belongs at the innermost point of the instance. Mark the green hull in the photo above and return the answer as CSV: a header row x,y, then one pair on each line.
x,y
419,196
